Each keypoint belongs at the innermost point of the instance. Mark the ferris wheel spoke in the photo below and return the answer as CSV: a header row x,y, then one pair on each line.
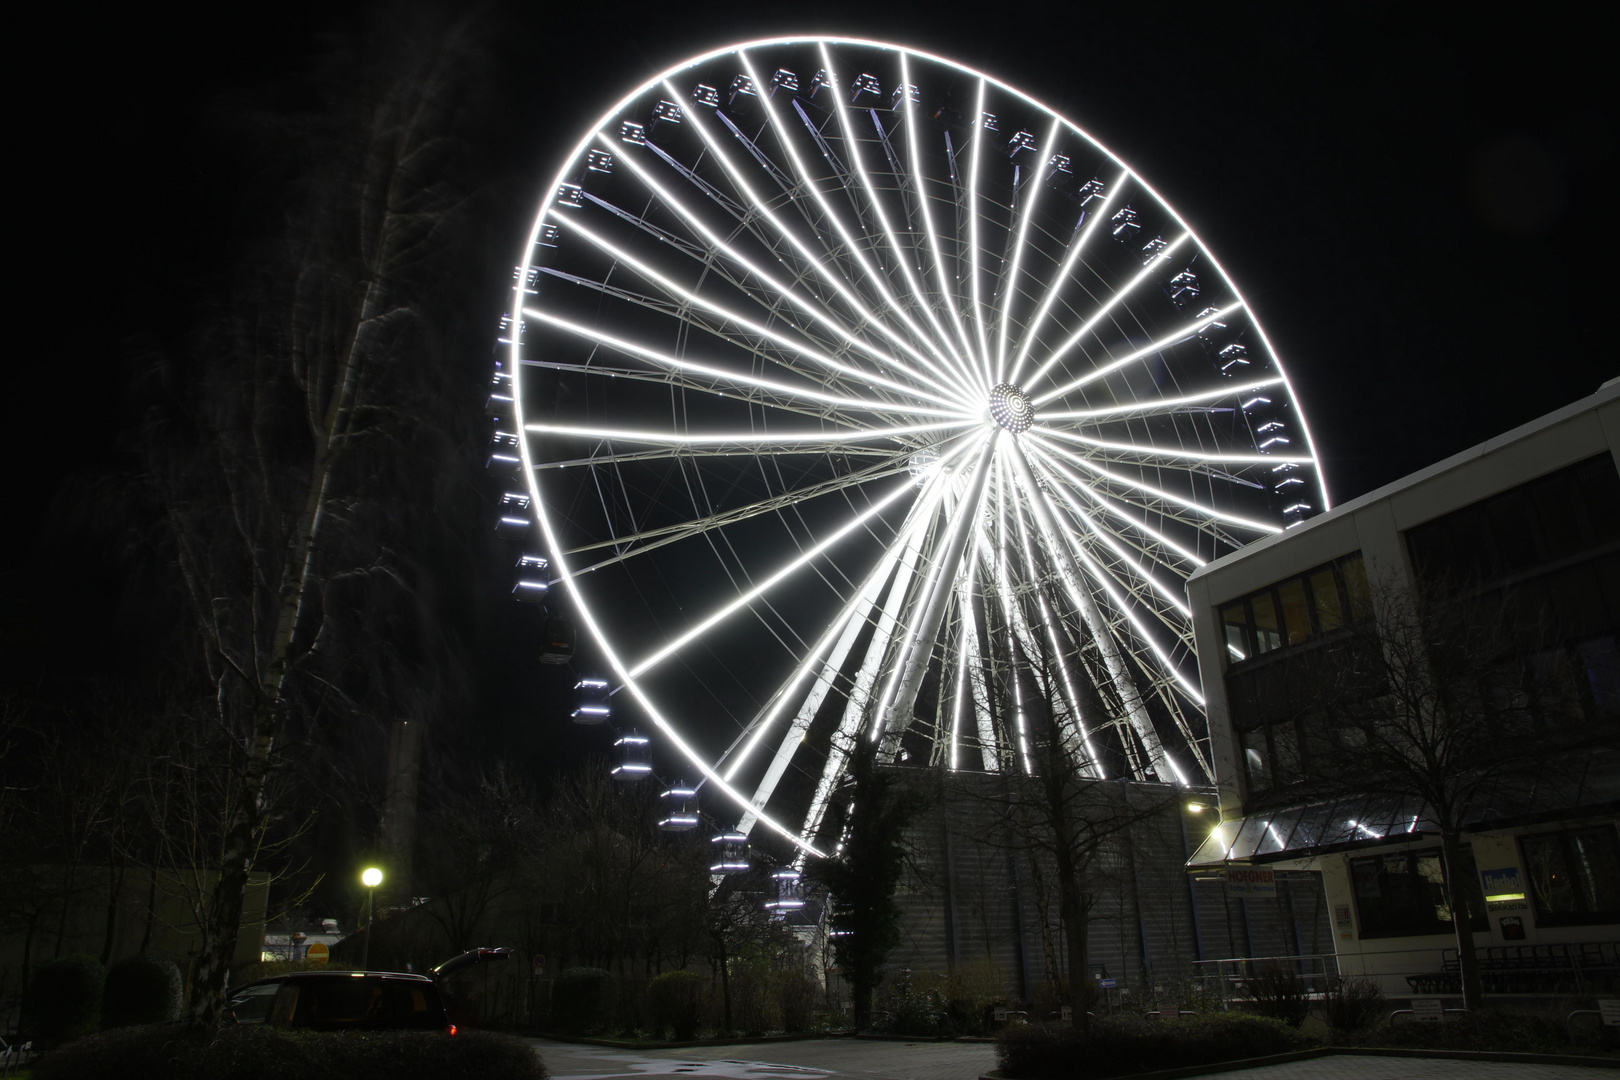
x,y
1089,763
1165,501
1064,272
894,711
648,540
859,701
814,260
800,348
724,381
792,567
715,247
1108,644
1119,451
1173,338
903,255
819,439
855,247
972,212
919,187
1154,406
1115,512
845,628
1154,266
1009,283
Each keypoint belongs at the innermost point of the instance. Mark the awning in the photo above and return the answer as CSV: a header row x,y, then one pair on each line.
x,y
1302,831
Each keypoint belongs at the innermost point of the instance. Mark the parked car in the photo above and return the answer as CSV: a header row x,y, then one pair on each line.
x,y
342,1001
356,1000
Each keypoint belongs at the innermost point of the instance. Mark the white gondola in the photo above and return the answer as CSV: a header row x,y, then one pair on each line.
x,y
593,700
731,853
789,892
680,808
633,752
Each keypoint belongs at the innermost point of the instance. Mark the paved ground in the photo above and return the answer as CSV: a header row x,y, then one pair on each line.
x,y
871,1059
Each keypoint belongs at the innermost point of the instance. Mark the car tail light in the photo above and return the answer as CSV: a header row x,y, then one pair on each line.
x,y
449,1029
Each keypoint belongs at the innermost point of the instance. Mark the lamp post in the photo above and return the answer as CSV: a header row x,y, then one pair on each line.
x,y
370,877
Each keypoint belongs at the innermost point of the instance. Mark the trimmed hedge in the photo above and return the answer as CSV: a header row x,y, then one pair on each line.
x,y
166,1052
141,990
677,1002
579,1000
63,1000
1121,1045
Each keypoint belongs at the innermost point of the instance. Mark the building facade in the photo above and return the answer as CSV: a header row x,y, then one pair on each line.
x,y
1526,527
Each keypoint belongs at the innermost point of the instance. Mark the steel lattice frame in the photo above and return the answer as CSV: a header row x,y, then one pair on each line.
x,y
900,397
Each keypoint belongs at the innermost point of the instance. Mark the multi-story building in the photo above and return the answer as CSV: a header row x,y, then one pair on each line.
x,y
1528,522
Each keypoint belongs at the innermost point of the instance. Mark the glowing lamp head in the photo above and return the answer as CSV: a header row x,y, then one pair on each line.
x,y
1010,408
371,877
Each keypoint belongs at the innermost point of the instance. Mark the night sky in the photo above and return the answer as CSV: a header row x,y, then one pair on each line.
x,y
1419,209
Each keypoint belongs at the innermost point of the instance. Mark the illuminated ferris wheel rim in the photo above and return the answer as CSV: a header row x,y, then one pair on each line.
x,y
813,39
1007,405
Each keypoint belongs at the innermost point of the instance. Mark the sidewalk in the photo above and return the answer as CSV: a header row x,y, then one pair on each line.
x,y
871,1059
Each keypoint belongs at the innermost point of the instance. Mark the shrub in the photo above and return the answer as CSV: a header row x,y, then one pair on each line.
x,y
579,998
1116,1046
913,1009
677,1002
1351,1003
796,998
64,1000
751,1003
165,1052
141,990
1277,990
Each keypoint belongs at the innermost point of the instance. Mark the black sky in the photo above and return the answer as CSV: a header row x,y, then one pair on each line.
x,y
1418,205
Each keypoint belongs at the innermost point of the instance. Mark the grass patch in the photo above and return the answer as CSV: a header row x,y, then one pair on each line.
x,y
166,1052
1121,1045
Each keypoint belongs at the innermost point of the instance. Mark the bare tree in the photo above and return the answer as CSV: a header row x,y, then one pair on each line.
x,y
277,459
1063,815
1436,702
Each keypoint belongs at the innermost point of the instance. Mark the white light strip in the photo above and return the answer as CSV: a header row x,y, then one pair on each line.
x,y
862,601
812,553
1177,453
1009,288
1173,338
902,255
1092,763
668,285
1100,575
1157,404
816,260
923,200
718,245
1078,484
743,438
851,245
973,232
1179,500
630,348
1053,288
1128,557
1125,686
1151,268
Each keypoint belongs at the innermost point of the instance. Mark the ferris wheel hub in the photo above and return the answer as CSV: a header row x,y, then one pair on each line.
x,y
1010,407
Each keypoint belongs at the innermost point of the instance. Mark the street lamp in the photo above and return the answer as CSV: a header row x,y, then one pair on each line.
x,y
370,877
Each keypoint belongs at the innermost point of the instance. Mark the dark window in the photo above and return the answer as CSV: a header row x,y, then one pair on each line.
x,y
1552,518
1574,876
1403,893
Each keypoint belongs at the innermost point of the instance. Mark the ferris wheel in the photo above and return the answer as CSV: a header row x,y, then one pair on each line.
x,y
864,405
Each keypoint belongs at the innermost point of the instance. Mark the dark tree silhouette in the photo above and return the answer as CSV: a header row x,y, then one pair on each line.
x,y
294,460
